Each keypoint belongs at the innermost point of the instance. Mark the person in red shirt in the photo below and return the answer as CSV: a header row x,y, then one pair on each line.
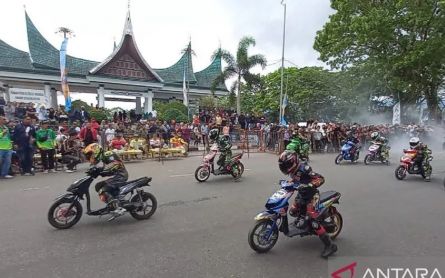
x,y
88,134
118,143
95,124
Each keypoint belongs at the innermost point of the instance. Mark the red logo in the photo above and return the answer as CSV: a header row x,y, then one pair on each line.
x,y
346,269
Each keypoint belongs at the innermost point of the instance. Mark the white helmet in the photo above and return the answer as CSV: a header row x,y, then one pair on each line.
x,y
414,142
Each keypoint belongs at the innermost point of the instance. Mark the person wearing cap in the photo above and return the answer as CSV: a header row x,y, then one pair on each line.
x,y
46,142
5,150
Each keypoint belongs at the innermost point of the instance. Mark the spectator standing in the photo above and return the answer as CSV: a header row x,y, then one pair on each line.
x,y
24,138
42,113
110,133
46,142
242,121
5,149
84,115
204,134
88,135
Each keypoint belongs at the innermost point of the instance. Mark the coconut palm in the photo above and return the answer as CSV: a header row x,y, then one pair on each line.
x,y
239,68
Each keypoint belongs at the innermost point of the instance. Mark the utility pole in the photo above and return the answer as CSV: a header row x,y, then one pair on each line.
x,y
282,62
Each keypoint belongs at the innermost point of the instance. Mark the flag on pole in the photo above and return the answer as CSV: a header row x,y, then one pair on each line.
x,y
63,75
396,114
283,108
184,92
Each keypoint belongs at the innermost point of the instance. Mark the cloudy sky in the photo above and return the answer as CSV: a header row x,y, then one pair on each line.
x,y
163,27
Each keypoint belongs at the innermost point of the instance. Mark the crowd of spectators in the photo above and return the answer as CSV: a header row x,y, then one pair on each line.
x,y
52,135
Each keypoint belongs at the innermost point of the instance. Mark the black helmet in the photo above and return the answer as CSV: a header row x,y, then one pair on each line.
x,y
213,134
288,162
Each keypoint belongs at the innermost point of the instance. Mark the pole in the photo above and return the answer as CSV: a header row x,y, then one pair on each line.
x,y
282,62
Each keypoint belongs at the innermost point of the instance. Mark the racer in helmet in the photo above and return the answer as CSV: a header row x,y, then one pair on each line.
x,y
381,141
422,154
112,167
352,137
224,146
297,145
303,207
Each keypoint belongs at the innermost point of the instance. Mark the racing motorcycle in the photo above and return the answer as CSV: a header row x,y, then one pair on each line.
x,y
235,167
346,153
269,223
375,155
407,165
66,210
303,152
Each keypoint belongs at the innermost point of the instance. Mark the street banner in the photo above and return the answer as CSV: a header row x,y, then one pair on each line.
x,y
64,75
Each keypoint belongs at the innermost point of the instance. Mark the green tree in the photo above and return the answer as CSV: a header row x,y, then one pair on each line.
x,y
239,67
167,110
401,43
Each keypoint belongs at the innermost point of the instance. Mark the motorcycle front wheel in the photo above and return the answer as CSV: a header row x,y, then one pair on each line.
x,y
400,172
202,173
368,159
338,159
259,239
61,216
147,208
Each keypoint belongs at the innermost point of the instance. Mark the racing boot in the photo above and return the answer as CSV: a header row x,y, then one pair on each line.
x,y
118,210
329,247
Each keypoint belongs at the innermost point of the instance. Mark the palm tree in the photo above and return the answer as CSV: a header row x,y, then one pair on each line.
x,y
239,68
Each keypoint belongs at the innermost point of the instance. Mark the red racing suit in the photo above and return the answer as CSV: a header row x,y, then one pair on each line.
x,y
307,194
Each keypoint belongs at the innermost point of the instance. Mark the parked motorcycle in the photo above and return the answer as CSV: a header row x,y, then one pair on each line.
x,y
346,153
207,167
264,234
375,155
407,165
66,211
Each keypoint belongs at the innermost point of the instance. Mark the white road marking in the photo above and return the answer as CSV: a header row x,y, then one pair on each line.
x,y
35,188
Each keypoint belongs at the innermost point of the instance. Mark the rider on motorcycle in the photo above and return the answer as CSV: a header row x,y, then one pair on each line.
x,y
303,208
112,167
296,144
224,146
381,141
351,137
422,154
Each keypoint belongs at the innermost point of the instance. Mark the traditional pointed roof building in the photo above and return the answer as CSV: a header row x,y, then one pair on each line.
x,y
124,72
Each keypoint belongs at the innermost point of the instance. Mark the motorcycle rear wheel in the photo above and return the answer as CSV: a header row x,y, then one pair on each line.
x,y
240,167
147,198
202,173
338,159
400,172
338,220
236,171
367,159
430,170
56,213
256,236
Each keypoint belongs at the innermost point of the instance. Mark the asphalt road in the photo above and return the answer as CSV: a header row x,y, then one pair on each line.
x,y
200,229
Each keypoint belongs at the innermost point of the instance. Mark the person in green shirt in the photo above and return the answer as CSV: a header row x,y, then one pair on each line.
x,y
46,142
5,150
